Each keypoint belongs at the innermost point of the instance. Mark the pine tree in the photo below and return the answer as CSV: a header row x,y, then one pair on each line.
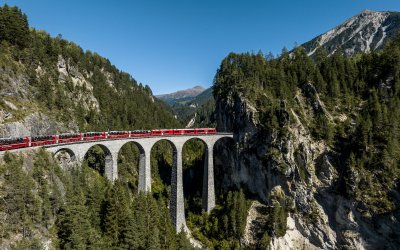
x,y
183,242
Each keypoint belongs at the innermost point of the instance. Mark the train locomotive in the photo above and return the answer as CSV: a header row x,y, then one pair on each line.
x,y
33,141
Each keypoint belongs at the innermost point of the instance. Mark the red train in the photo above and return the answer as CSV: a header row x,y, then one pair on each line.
x,y
32,141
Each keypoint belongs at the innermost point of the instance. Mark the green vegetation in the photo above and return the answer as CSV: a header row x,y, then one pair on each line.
x,y
78,209
276,219
14,28
34,56
128,162
224,227
351,104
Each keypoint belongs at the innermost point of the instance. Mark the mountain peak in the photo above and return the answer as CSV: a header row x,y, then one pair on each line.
x,y
198,88
366,11
181,94
364,32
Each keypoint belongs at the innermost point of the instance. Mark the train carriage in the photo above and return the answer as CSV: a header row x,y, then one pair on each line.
x,y
65,138
168,132
159,132
200,131
210,130
13,143
156,132
94,136
117,134
179,131
42,140
189,131
140,133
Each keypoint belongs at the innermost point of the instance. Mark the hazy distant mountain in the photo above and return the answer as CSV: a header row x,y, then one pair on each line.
x,y
181,95
367,31
191,108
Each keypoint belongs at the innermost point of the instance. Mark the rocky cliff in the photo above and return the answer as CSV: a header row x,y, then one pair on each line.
x,y
365,32
303,180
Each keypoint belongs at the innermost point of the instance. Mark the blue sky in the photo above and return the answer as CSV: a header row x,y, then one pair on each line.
x,y
177,44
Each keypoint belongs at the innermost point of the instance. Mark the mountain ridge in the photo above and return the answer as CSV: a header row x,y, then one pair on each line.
x,y
182,94
367,31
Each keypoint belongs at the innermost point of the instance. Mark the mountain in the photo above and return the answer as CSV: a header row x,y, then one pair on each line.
x,y
315,153
365,32
181,95
198,112
50,85
193,107
202,98
318,143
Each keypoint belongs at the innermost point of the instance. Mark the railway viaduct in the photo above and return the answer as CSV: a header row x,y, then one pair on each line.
x,y
111,148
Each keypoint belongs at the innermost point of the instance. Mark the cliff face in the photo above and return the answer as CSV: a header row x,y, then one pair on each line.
x,y
297,149
324,218
22,114
68,90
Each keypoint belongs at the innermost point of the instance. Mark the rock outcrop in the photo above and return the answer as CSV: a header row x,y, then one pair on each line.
x,y
365,32
305,169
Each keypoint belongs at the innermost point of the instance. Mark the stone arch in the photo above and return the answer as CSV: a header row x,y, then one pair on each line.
x,y
197,176
164,172
176,206
229,138
141,174
66,157
137,144
174,147
224,158
108,160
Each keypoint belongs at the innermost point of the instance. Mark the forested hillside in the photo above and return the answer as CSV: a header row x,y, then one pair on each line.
x,y
44,206
326,132
50,85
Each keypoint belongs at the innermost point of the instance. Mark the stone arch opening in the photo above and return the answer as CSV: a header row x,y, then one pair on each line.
x,y
131,158
163,158
65,157
99,158
224,164
194,161
176,201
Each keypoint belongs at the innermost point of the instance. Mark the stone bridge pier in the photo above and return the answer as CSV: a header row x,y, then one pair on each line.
x,y
112,148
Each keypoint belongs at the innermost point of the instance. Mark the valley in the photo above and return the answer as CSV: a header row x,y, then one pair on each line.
x,y
295,151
